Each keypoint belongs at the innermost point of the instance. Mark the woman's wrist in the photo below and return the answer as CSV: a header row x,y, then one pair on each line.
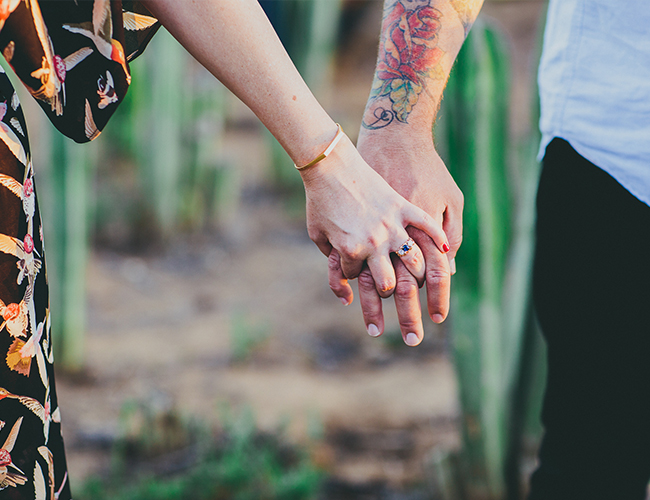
x,y
343,157
328,150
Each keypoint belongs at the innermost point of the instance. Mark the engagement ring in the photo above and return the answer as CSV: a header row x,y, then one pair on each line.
x,y
405,247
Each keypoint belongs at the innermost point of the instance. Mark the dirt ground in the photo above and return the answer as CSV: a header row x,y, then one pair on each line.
x,y
167,326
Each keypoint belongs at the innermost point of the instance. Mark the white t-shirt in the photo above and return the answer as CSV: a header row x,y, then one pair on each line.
x,y
594,81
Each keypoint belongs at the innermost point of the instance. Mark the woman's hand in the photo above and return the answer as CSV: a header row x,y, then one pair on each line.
x,y
409,162
411,165
352,209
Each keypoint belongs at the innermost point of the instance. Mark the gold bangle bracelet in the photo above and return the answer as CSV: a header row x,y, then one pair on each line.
x,y
325,153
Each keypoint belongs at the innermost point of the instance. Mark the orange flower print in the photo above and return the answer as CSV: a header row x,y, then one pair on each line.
x,y
15,359
15,318
6,8
11,312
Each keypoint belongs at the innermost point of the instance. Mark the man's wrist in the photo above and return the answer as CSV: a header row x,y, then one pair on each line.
x,y
405,137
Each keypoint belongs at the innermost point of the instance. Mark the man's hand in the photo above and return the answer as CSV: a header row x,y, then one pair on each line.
x,y
418,44
414,169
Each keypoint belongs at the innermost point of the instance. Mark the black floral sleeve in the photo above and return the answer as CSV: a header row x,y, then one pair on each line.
x,y
72,55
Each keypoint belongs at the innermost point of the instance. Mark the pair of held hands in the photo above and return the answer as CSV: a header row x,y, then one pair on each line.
x,y
358,216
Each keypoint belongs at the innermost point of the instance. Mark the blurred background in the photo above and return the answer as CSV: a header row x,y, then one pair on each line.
x,y
200,351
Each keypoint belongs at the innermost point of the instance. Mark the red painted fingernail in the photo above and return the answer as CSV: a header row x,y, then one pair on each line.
x,y
445,247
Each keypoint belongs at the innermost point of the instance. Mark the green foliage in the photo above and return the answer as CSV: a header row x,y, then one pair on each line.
x,y
240,463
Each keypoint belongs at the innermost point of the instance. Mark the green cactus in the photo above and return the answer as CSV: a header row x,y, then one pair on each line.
x,y
491,313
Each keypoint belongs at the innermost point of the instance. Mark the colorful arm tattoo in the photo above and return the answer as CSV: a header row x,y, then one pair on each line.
x,y
408,55
467,11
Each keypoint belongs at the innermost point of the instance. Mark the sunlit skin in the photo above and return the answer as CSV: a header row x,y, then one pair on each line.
x,y
419,42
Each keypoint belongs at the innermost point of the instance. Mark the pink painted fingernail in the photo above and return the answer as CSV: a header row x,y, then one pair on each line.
x,y
437,318
412,339
373,331
344,301
445,247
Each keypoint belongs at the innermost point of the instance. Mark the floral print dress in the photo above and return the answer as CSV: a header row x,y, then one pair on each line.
x,y
72,56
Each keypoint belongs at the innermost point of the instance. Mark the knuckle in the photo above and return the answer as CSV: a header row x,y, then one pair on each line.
x,y
373,240
438,277
350,251
365,280
409,325
427,218
406,289
334,262
395,204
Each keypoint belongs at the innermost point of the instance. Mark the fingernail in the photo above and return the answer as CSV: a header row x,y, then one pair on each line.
x,y
412,339
437,318
373,331
445,247
344,301
452,266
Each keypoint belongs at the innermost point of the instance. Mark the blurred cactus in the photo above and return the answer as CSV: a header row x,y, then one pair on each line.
x,y
308,30
67,246
168,133
491,297
162,115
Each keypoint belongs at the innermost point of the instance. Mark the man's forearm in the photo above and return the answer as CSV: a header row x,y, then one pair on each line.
x,y
419,42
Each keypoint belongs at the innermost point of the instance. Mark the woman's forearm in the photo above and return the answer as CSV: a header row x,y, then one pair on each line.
x,y
235,42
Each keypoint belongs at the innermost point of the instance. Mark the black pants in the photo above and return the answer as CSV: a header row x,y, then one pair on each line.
x,y
592,296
